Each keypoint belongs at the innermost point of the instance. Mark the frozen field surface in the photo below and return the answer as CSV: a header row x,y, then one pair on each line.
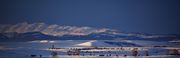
x,y
101,57
25,49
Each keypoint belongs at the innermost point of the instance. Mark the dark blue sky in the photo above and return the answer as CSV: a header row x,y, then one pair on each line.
x,y
148,16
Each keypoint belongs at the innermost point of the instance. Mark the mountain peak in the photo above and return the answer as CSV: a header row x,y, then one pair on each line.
x,y
61,30
53,29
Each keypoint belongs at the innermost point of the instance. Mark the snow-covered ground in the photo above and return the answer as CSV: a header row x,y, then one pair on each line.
x,y
41,47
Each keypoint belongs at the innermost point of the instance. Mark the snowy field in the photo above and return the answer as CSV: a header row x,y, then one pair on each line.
x,y
41,47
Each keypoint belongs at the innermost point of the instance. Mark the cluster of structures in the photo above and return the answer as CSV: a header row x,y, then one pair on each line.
x,y
108,51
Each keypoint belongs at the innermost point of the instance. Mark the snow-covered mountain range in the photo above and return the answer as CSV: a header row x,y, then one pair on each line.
x,y
54,29
46,31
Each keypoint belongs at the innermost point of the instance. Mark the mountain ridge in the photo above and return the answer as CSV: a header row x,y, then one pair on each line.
x,y
53,29
42,31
